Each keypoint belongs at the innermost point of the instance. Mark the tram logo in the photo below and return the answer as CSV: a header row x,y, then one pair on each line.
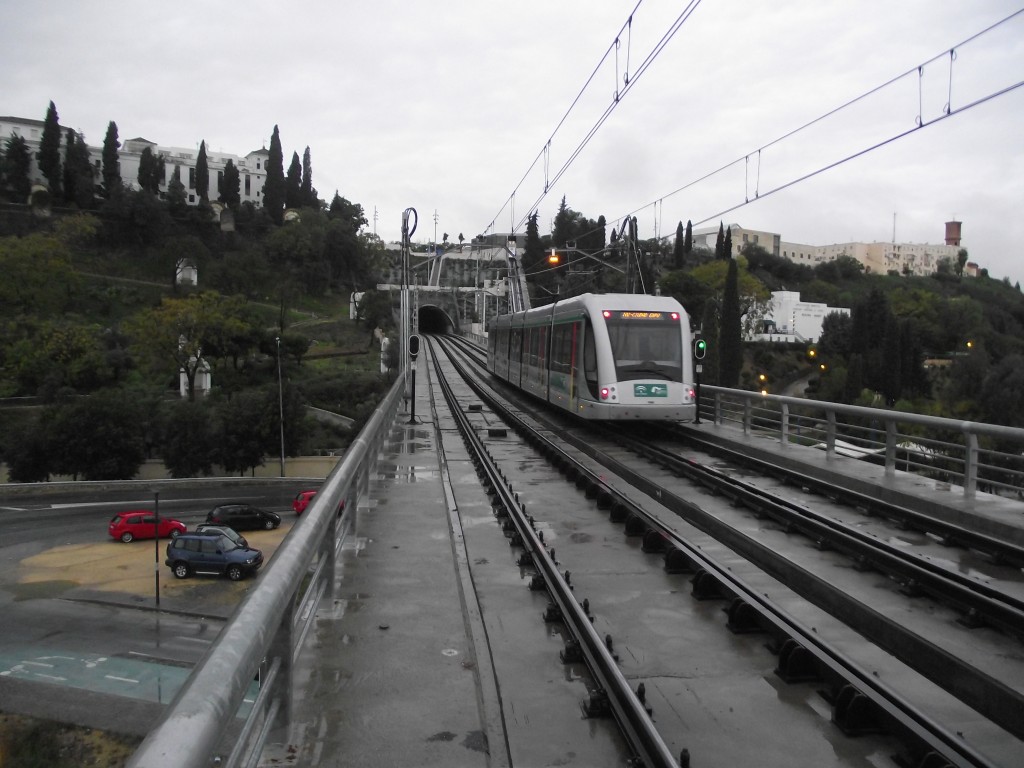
x,y
650,390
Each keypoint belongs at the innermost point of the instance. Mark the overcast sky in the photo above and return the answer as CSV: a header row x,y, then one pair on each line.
x,y
446,106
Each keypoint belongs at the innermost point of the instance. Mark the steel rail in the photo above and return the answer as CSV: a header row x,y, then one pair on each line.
x,y
627,709
903,718
993,698
979,602
951,534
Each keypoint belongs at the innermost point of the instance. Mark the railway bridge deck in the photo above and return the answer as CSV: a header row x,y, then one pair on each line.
x,y
397,670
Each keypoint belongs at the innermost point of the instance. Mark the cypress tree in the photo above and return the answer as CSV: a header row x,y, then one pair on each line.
x,y
176,196
727,246
48,155
111,161
533,251
293,184
17,167
869,320
308,193
230,185
79,182
68,170
710,324
892,370
688,242
203,174
730,339
720,242
679,248
273,187
149,172
854,378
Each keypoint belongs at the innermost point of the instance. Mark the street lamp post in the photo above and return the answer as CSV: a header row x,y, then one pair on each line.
x,y
280,402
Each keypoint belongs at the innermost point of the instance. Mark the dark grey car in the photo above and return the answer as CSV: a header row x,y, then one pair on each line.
x,y
243,517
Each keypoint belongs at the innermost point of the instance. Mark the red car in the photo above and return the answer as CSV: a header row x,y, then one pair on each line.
x,y
302,500
141,524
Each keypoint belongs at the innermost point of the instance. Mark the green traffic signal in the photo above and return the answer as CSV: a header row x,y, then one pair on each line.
x,y
700,348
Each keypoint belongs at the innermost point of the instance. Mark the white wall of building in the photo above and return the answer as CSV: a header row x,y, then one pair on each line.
x,y
795,320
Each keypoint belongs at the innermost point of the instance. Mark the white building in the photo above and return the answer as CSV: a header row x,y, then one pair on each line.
x,y
792,320
252,168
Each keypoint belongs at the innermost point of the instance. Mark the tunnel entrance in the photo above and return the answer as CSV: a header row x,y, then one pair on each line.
x,y
433,319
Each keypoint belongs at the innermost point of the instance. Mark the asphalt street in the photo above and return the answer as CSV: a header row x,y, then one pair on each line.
x,y
83,638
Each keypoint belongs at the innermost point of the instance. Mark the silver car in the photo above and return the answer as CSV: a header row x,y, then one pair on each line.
x,y
237,538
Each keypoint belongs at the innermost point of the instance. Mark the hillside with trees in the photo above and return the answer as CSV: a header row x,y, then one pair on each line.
x,y
96,328
946,345
95,325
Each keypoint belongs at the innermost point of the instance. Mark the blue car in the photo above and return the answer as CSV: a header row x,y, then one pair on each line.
x,y
211,553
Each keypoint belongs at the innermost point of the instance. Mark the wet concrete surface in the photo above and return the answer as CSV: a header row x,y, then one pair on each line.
x,y
414,661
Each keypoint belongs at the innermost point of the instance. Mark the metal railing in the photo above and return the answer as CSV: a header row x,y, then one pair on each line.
x,y
210,722
967,454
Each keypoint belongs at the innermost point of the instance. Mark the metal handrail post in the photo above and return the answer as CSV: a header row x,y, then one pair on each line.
x,y
890,448
970,464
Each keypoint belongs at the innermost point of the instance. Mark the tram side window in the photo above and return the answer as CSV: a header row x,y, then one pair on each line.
x,y
532,346
561,348
542,347
516,345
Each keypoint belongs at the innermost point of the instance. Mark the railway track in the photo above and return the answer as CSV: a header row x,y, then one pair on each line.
x,y
885,684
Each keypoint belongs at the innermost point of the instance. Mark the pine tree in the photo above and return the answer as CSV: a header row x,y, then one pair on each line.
x,y
293,184
48,155
111,161
203,174
273,187
308,193
730,339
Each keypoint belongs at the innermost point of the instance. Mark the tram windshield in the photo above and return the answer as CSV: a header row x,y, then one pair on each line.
x,y
646,345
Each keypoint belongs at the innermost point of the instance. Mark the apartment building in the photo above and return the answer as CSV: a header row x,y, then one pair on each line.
x,y
877,258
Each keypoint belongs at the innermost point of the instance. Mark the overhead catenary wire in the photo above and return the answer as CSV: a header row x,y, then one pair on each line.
x,y
919,124
630,81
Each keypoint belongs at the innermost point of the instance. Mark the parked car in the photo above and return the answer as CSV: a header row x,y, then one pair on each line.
x,y
141,524
208,552
302,500
231,533
243,517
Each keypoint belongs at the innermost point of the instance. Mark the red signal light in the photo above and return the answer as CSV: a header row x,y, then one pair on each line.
x,y
604,393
